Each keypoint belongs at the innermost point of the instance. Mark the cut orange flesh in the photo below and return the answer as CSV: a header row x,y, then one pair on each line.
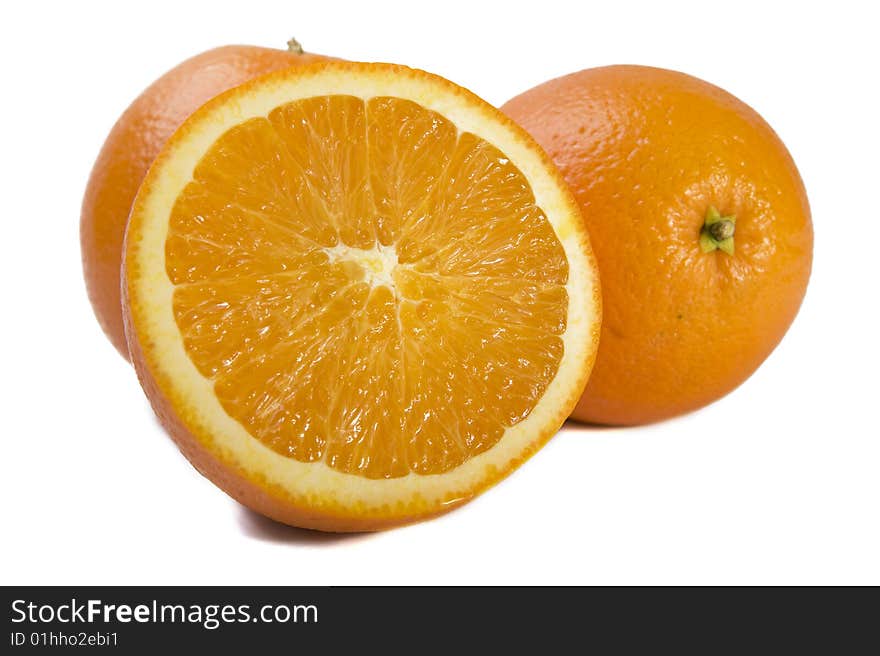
x,y
356,295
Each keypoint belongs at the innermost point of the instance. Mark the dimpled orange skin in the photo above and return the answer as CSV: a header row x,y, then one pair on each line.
x,y
646,152
133,144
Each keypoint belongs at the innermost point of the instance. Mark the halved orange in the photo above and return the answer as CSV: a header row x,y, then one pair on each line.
x,y
355,295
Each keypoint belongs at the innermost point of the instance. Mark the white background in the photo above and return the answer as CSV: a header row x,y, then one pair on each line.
x,y
777,483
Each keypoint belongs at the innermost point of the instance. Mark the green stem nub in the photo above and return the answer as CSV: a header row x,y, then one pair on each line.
x,y
294,47
717,232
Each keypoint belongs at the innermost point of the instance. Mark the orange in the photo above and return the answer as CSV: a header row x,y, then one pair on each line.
x,y
357,295
133,144
700,225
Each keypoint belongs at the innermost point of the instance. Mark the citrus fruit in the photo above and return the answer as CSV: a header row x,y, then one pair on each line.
x,y
700,225
133,144
357,295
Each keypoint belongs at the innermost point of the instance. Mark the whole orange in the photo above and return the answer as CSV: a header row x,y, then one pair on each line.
x,y
133,144
700,225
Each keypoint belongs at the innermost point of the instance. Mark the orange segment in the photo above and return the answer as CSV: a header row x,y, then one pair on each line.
x,y
336,182
349,294
409,151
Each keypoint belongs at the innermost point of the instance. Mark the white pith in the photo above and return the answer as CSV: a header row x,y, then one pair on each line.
x,y
196,401
378,263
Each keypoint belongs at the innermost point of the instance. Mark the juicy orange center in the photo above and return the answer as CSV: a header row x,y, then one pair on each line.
x,y
367,287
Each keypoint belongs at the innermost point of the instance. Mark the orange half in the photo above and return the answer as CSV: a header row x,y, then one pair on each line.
x,y
355,295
